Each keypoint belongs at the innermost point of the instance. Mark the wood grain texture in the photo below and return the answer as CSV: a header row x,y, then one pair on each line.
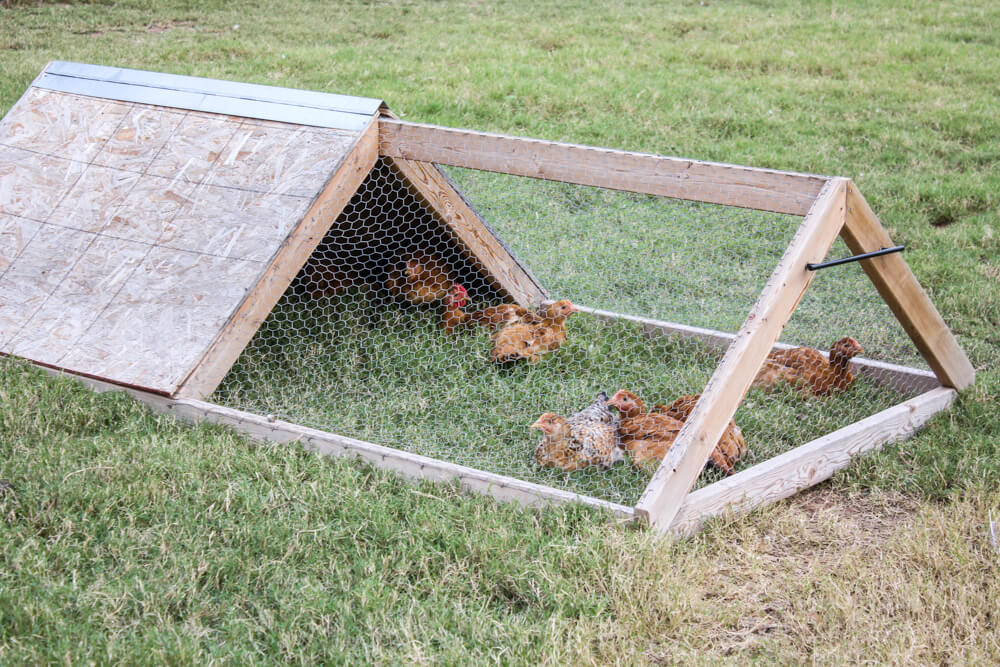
x,y
438,194
808,465
35,274
277,160
411,466
722,395
282,268
162,319
731,185
906,298
15,233
32,185
74,127
245,224
82,294
900,378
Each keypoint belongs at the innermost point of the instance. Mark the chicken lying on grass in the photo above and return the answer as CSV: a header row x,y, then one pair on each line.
x,y
533,335
809,371
589,437
648,436
731,446
422,278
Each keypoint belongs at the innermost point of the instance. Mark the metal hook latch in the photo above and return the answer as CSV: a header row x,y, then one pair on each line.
x,y
845,260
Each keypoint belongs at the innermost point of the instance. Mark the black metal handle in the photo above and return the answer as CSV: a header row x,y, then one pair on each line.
x,y
845,260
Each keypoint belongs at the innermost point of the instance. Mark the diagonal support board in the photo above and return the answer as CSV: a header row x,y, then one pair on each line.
x,y
673,480
479,241
899,288
284,266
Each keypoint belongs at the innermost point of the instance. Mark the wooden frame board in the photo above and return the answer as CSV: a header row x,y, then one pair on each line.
x,y
500,265
412,466
731,380
808,464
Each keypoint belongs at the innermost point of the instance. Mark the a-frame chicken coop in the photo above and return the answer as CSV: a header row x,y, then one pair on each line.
x,y
221,251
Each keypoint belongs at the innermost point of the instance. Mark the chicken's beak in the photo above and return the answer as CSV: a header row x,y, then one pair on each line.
x,y
537,424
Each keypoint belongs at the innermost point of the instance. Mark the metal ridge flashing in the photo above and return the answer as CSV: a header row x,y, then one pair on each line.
x,y
250,100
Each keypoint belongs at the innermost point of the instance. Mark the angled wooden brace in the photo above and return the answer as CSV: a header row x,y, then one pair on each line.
x,y
899,288
725,390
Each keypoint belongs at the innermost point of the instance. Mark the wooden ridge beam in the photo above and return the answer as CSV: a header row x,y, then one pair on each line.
x,y
809,464
283,268
714,183
908,301
665,493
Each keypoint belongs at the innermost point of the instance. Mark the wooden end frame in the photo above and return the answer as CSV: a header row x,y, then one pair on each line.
x,y
481,244
722,395
905,297
283,268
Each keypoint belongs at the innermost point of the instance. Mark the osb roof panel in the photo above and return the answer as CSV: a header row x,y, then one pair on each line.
x,y
130,233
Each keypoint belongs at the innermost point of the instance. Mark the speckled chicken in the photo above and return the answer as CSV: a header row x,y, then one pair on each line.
x,y
648,436
421,278
534,335
589,437
731,446
809,371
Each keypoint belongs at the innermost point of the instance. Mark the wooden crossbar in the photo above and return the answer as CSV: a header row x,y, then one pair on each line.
x,y
710,182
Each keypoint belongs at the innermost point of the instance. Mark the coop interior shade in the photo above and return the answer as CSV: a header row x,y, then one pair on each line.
x,y
130,233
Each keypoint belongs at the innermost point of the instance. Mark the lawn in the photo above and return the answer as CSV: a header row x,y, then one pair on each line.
x,y
129,538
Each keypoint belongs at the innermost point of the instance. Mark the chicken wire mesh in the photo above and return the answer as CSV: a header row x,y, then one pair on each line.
x,y
358,345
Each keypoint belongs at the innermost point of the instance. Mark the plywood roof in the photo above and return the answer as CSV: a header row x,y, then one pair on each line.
x,y
130,233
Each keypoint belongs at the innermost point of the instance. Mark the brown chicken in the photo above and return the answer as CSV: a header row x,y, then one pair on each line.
x,y
731,446
496,317
809,371
453,315
491,318
648,436
589,437
534,335
422,278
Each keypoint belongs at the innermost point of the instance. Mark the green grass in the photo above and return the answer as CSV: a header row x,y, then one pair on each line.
x,y
404,383
130,539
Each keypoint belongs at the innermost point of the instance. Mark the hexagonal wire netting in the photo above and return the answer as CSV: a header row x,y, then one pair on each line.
x,y
347,350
